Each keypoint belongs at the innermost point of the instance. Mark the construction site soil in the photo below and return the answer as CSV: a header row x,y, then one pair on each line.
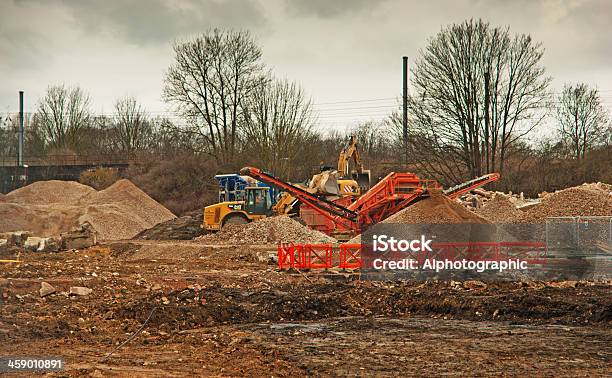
x,y
226,310
48,208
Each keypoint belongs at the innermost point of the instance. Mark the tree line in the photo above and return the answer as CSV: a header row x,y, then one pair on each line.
x,y
482,102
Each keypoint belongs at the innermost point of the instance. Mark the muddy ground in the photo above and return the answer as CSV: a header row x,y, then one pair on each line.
x,y
228,311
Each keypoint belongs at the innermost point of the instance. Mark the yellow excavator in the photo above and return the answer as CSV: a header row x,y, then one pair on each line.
x,y
358,173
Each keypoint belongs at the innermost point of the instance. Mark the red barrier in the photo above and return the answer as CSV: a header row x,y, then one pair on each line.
x,y
532,252
315,256
350,256
465,250
320,256
287,254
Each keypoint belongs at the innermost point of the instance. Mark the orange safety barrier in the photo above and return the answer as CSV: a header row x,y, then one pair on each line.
x,y
287,255
315,256
350,256
532,252
466,250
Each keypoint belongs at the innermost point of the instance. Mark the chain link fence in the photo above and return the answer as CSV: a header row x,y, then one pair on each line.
x,y
584,242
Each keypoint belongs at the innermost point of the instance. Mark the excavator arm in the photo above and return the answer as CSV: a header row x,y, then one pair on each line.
x,y
393,193
334,212
362,176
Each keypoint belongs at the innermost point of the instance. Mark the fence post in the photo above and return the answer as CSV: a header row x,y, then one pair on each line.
x,y
578,232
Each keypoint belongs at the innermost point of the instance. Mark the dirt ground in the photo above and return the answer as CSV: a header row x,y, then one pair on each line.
x,y
227,311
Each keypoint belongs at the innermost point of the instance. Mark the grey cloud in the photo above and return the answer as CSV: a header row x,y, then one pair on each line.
x,y
144,22
23,43
329,8
588,20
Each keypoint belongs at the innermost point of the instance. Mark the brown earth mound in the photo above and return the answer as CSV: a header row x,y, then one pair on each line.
x,y
435,209
52,207
266,231
499,210
46,192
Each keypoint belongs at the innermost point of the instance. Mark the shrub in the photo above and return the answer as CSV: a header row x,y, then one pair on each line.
x,y
99,178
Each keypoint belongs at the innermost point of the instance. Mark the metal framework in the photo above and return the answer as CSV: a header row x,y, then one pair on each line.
x,y
391,194
352,256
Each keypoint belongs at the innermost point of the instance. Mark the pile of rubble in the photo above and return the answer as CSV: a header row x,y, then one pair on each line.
x,y
478,198
79,238
583,200
49,208
269,230
499,209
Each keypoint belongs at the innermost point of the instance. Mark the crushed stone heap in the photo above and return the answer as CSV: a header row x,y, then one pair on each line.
x,y
266,231
583,200
435,209
49,208
499,210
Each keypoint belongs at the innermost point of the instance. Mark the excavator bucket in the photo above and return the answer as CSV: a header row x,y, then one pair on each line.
x,y
363,179
325,183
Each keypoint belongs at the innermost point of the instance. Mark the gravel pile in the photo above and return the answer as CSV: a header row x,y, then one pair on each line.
x,y
47,192
435,209
499,209
584,200
267,231
52,207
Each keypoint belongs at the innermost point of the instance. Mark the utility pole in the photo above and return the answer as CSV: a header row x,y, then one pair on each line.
x,y
20,152
405,107
486,109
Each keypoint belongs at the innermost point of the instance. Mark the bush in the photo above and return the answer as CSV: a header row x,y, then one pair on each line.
x,y
182,184
99,178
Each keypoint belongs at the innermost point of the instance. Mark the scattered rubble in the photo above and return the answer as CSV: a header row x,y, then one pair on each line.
x,y
80,290
82,237
32,243
51,244
16,238
46,289
268,230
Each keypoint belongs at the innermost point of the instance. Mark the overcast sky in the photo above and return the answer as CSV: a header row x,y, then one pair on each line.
x,y
345,53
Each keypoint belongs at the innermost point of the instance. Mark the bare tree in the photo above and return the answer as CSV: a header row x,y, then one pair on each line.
x,y
450,111
583,121
277,125
210,77
8,136
62,114
132,126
